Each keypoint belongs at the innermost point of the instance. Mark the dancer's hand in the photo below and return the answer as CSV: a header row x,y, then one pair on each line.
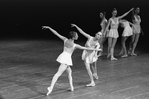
x,y
45,27
73,25
132,9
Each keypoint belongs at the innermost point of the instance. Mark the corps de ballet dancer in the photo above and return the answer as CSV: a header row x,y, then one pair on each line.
x,y
127,32
136,19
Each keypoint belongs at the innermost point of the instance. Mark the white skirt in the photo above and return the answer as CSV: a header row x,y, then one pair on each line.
x,y
65,58
127,31
113,33
89,56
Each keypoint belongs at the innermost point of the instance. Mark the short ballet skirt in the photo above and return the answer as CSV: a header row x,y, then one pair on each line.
x,y
89,56
65,58
113,33
127,31
136,28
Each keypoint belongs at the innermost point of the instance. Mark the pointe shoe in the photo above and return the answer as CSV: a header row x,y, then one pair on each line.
x,y
95,76
90,85
71,89
49,90
113,59
124,56
133,54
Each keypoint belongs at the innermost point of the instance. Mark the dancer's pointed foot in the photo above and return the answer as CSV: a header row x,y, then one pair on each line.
x,y
95,76
91,84
124,56
71,89
113,59
133,54
49,90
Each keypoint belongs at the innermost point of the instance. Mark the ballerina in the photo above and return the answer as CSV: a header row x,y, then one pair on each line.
x,y
90,57
136,31
127,32
103,25
65,57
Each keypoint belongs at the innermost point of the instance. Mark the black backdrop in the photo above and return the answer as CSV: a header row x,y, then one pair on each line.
x,y
22,19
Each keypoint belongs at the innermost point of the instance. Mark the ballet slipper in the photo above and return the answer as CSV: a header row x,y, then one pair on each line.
x,y
71,89
113,59
49,90
91,84
123,56
133,54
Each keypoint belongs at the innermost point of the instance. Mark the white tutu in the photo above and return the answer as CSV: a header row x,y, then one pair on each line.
x,y
113,33
65,58
89,56
127,31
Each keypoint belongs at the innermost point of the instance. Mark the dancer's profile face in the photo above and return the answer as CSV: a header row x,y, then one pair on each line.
x,y
76,36
101,15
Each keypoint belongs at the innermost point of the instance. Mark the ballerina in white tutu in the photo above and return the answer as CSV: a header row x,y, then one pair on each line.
x,y
127,32
113,33
90,57
65,57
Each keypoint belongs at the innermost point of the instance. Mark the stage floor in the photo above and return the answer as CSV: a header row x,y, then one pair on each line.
x,y
27,67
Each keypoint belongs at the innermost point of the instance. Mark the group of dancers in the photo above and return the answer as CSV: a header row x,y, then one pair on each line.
x,y
94,44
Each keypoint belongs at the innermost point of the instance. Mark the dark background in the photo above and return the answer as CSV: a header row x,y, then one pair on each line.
x,y
22,19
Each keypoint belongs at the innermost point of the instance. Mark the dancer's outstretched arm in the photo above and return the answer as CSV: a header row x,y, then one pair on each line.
x,y
81,31
55,32
120,17
85,48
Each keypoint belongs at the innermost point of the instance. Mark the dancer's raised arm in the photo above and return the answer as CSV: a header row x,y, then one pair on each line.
x,y
55,32
123,20
119,17
81,31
